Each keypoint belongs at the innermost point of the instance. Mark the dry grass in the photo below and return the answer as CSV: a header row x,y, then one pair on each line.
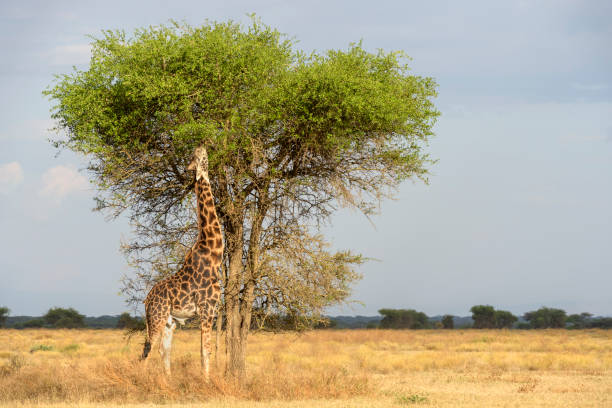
x,y
362,368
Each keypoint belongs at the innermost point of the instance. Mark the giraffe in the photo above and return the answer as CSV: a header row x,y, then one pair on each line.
x,y
194,289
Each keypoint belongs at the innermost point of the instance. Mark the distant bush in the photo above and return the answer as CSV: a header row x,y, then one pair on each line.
x,y
483,316
126,321
578,321
403,319
34,323
486,317
64,318
41,347
448,322
546,317
504,319
601,323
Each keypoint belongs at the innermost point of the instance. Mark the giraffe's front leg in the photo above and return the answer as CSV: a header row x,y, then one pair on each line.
x,y
166,344
206,331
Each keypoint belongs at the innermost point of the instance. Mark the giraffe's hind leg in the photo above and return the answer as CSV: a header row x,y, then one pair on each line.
x,y
165,344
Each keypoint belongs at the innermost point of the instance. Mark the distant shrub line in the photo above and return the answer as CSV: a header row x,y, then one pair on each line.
x,y
61,318
487,317
483,317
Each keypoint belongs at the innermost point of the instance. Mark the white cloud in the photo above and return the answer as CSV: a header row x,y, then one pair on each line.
x,y
59,181
72,54
11,175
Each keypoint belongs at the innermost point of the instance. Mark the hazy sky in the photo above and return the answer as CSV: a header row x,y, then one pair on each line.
x,y
518,213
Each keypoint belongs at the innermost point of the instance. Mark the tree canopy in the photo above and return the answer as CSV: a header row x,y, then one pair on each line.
x,y
483,316
290,136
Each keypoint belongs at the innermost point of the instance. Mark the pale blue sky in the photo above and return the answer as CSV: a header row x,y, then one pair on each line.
x,y
518,212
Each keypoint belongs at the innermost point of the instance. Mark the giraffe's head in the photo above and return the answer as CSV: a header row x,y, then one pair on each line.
x,y
199,163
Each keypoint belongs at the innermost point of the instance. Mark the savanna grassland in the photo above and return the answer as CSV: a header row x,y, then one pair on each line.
x,y
358,368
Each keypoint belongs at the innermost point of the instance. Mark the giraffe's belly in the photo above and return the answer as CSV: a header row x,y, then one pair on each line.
x,y
181,313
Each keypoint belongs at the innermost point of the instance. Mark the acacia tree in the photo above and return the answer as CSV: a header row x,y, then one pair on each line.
x,y
546,317
504,319
291,136
483,316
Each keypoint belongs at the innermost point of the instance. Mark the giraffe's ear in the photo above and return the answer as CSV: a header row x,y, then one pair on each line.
x,y
192,165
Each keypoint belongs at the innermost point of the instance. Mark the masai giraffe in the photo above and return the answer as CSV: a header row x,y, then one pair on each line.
x,y
194,289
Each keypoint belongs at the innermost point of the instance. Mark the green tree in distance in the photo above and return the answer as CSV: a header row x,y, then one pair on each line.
x,y
64,318
483,316
290,136
403,319
504,319
4,312
448,322
32,323
546,317
126,321
579,321
600,322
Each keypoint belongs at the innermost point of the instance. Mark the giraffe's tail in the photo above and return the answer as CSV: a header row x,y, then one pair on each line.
x,y
146,350
147,343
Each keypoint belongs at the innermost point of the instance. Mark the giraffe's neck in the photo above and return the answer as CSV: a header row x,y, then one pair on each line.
x,y
208,224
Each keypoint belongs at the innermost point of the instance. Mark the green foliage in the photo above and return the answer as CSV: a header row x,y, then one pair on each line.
x,y
32,323
411,399
448,322
4,312
41,347
71,348
64,318
483,316
587,321
546,317
579,321
221,85
403,319
126,321
601,323
504,319
486,317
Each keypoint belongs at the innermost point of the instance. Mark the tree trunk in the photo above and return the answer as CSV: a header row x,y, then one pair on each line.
x,y
219,329
236,365
234,347
239,294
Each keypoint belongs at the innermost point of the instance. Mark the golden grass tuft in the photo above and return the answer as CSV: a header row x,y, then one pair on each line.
x,y
362,367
